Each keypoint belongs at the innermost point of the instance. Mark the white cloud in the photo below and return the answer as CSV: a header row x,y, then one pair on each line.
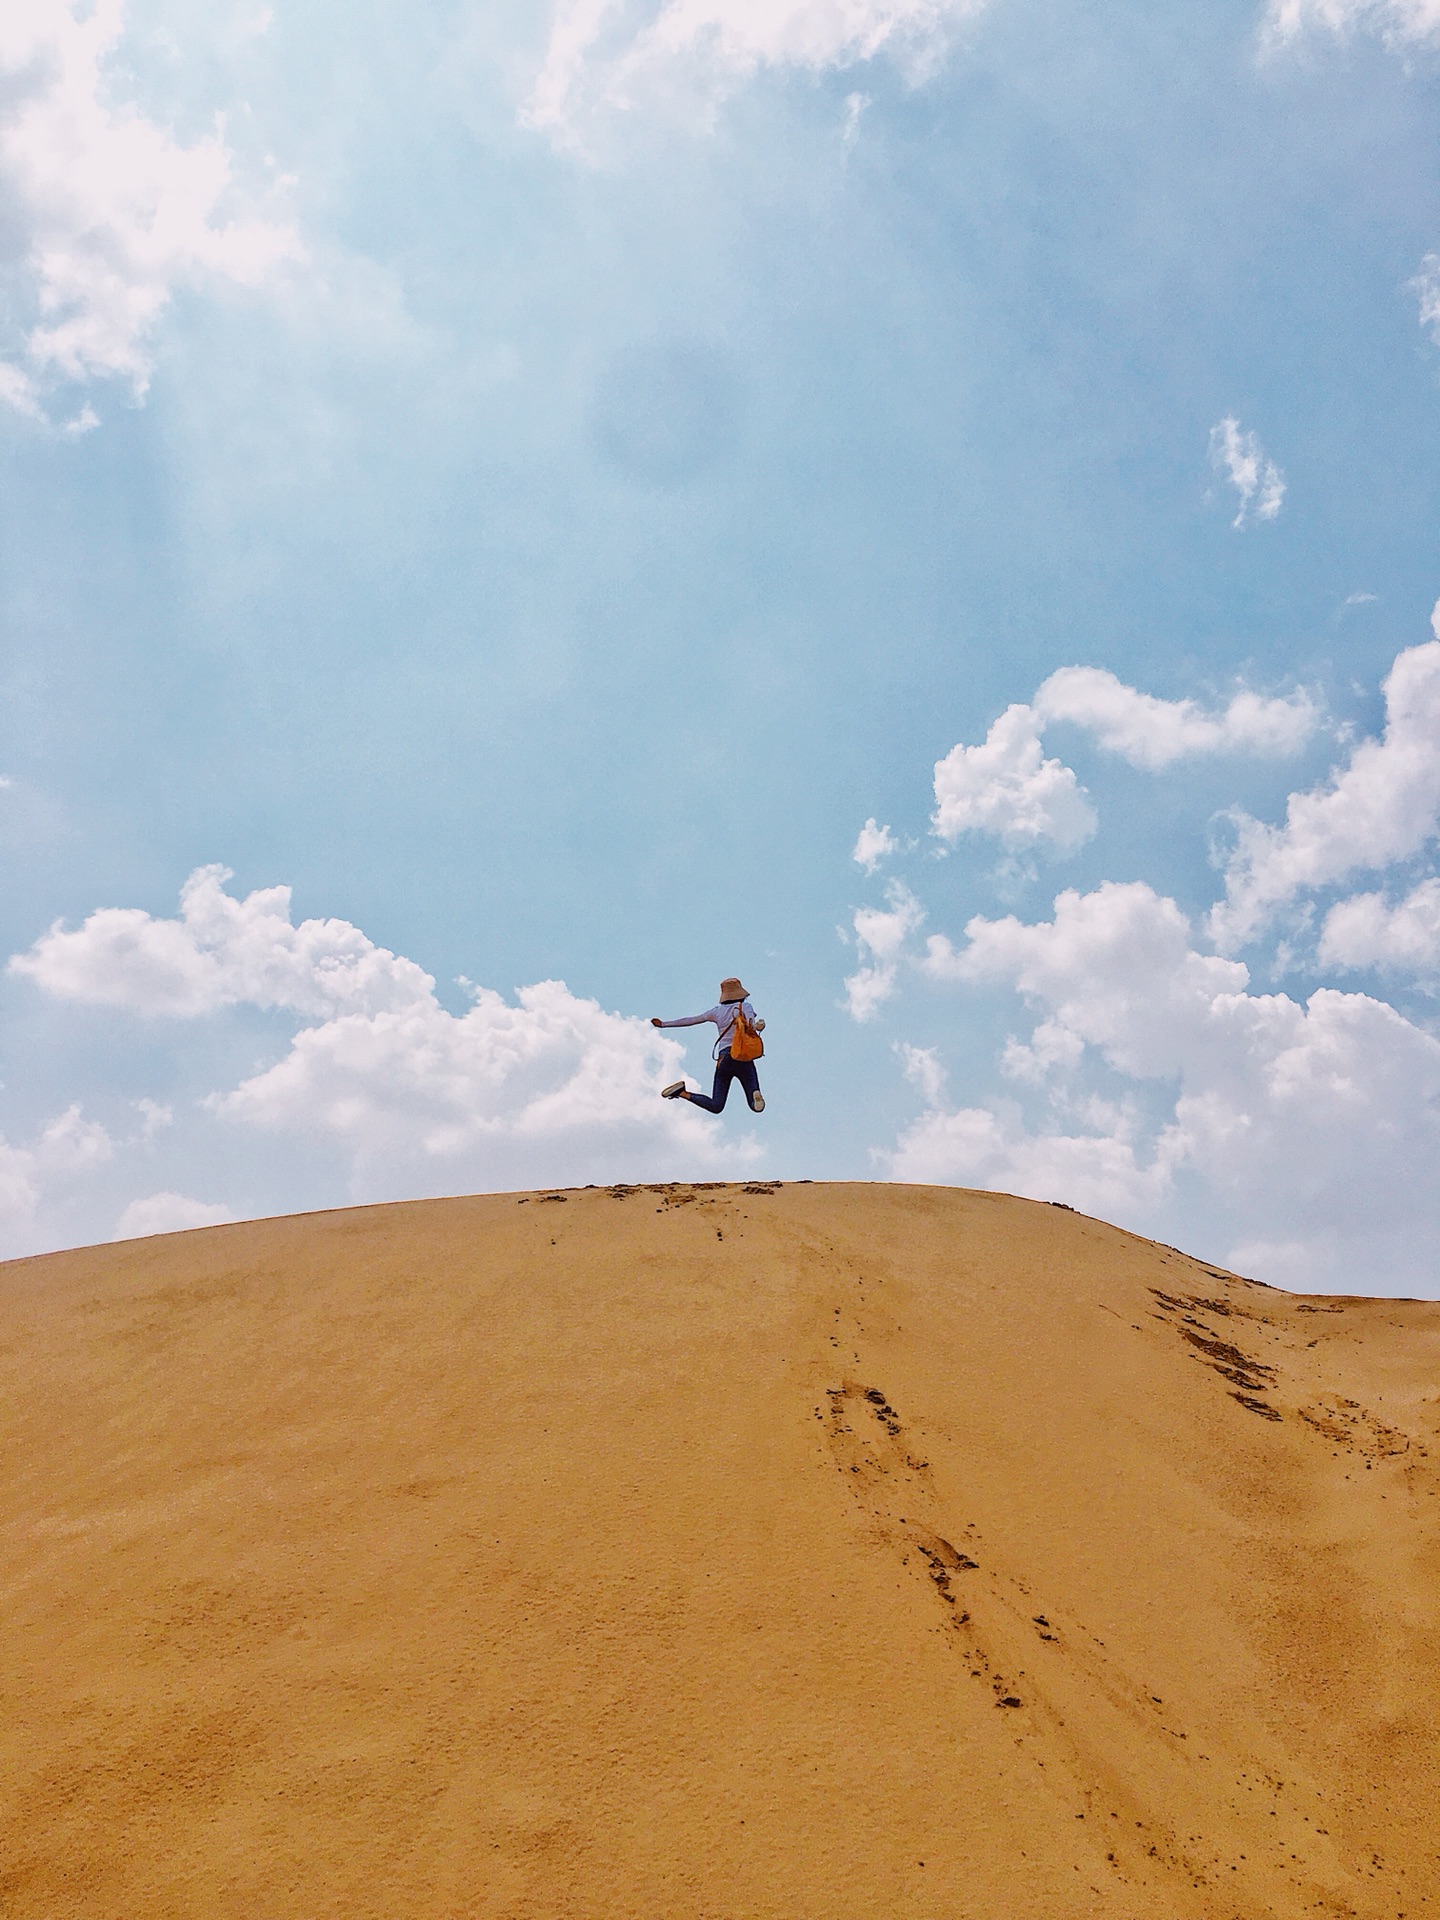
x,y
106,214
616,56
855,105
982,1148
1006,787
873,845
1382,807
17,391
867,990
19,1193
1255,477
65,1152
72,1145
881,936
1151,733
1308,1125
922,1068
1426,287
1366,932
1114,968
1397,21
221,952
155,1116
552,1082
1051,1047
167,1213
1152,1082
882,933
416,1098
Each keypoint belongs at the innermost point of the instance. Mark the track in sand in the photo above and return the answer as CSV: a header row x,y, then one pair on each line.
x,y
730,1552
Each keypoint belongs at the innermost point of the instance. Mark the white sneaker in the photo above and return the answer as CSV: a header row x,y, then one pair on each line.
x,y
673,1091
757,1105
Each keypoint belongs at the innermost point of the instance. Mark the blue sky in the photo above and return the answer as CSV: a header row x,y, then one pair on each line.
x,y
535,484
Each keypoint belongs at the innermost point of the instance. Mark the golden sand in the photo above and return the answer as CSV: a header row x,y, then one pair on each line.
x,y
702,1553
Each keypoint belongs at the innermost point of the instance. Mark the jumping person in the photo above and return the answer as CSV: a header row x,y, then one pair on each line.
x,y
733,1001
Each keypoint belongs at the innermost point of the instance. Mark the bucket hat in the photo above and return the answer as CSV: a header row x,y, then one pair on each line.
x,y
731,991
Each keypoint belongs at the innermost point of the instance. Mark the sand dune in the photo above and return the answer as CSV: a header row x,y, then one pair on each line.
x,y
712,1552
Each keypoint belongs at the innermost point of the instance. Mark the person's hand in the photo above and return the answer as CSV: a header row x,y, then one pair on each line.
x,y
759,1026
656,1021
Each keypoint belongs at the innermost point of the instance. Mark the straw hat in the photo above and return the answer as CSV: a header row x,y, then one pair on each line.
x,y
730,991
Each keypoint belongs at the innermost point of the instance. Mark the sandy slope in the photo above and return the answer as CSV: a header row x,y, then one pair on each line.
x,y
711,1552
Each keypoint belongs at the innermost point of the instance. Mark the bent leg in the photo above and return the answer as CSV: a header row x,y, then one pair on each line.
x,y
749,1079
725,1072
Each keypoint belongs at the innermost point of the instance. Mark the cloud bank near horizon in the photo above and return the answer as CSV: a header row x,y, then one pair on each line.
x,y
413,1099
1152,1068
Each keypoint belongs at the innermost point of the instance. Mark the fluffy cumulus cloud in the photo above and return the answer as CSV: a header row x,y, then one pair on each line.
x,y
1114,968
167,1213
1007,788
1151,1079
872,845
1151,734
63,1154
1365,931
923,1069
1241,460
880,936
1383,806
222,952
412,1097
1312,1123
991,1148
552,1082
616,56
105,213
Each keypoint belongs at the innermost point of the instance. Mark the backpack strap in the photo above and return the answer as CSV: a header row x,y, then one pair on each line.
x,y
726,1034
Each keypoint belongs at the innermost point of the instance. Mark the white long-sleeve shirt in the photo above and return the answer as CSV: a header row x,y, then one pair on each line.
x,y
723,1017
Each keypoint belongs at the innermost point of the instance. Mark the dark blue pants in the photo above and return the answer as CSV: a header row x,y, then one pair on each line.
x,y
727,1070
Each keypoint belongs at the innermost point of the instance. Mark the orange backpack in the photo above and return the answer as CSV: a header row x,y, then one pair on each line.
x,y
745,1042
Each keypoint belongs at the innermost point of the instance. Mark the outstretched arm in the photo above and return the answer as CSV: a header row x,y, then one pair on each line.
x,y
690,1020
